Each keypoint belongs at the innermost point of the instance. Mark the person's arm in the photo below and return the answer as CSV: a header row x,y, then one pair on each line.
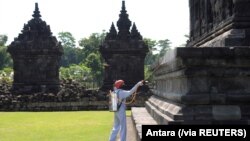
x,y
124,94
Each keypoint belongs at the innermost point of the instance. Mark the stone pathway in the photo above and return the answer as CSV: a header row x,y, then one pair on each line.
x,y
140,116
131,133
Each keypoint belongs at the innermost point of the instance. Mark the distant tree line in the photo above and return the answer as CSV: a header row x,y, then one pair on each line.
x,y
5,59
83,62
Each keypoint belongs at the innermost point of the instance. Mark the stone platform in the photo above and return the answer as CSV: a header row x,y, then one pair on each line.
x,y
202,86
140,116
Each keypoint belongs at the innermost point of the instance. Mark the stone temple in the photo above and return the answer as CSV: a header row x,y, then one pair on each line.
x,y
208,81
36,55
124,53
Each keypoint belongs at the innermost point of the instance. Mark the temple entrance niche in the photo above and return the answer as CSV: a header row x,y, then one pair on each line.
x,y
124,53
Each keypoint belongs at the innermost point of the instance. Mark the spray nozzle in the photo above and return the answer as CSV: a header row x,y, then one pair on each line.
x,y
145,82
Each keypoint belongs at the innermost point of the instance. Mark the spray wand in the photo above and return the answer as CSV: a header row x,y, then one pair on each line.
x,y
134,94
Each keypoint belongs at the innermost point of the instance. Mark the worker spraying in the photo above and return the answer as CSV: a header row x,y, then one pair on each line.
x,y
120,114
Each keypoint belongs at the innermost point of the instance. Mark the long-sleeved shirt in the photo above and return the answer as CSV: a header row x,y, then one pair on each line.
x,y
123,94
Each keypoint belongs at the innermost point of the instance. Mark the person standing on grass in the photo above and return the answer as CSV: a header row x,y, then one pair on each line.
x,y
120,122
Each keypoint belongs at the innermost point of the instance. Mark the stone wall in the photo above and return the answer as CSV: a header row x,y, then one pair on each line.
x,y
202,86
72,96
84,104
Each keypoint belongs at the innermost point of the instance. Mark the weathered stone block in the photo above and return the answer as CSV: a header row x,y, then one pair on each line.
x,y
226,112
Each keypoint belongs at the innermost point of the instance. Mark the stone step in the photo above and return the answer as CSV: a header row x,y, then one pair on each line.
x,y
140,116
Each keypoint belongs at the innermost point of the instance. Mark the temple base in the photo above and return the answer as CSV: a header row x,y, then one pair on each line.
x,y
202,86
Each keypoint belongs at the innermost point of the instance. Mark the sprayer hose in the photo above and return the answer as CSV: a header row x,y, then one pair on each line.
x,y
133,97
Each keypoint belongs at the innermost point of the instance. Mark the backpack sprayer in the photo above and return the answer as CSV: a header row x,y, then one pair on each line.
x,y
115,102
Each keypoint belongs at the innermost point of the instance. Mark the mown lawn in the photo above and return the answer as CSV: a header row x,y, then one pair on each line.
x,y
56,126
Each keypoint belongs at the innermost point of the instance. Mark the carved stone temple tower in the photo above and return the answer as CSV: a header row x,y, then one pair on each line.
x,y
124,53
36,55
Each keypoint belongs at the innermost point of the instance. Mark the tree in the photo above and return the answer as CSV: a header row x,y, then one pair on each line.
x,y
185,44
71,53
76,72
157,49
92,43
93,62
148,73
88,55
69,57
164,47
151,56
5,59
67,39
91,55
3,39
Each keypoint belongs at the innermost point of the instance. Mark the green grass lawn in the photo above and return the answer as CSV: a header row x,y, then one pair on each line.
x,y
56,126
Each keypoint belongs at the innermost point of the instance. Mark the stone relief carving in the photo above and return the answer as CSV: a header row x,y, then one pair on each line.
x,y
208,14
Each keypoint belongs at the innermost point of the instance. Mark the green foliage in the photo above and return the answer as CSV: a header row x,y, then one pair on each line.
x,y
3,39
75,72
72,55
55,126
147,73
5,59
151,56
6,75
164,47
91,56
92,43
93,61
157,49
67,39
8,71
83,62
86,63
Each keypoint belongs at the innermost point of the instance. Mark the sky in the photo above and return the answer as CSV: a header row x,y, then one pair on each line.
x,y
155,19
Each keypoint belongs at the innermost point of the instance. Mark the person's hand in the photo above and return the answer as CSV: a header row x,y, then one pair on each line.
x,y
141,83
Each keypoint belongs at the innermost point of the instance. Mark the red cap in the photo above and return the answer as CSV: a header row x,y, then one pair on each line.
x,y
119,83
